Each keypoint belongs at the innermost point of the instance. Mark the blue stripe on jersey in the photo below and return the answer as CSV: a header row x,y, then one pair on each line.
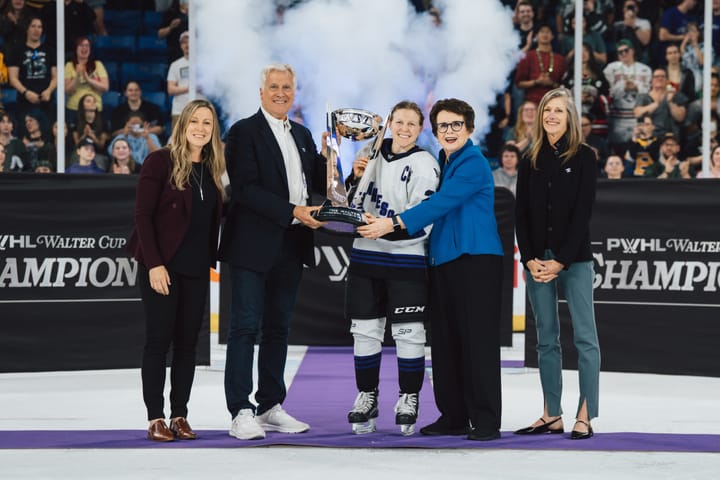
x,y
388,259
370,361
411,364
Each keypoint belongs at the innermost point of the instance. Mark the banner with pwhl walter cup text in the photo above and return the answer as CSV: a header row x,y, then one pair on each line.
x,y
68,294
656,249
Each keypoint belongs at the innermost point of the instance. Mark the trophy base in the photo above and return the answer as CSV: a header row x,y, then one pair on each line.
x,y
328,213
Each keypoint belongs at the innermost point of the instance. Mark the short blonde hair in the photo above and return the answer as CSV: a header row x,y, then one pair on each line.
x,y
277,67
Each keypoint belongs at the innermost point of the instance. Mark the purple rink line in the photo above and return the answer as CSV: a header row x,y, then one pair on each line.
x,y
321,394
342,438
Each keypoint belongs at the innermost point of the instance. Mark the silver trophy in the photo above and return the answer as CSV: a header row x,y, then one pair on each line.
x,y
355,124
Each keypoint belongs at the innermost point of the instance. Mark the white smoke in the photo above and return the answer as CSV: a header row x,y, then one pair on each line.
x,y
357,53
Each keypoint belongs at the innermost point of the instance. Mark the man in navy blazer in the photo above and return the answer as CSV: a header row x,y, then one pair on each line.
x,y
273,166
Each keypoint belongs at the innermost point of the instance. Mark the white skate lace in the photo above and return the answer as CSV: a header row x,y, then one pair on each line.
x,y
364,402
407,404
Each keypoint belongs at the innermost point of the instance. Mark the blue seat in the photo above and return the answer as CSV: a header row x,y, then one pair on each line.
x,y
150,48
113,71
158,98
9,95
115,48
110,100
124,22
151,22
150,76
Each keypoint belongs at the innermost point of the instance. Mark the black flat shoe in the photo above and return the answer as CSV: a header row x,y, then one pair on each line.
x,y
539,429
575,435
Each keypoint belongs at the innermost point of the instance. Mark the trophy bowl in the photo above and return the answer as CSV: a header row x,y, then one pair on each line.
x,y
357,124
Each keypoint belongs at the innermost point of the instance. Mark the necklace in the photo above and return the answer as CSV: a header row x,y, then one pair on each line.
x,y
542,65
200,182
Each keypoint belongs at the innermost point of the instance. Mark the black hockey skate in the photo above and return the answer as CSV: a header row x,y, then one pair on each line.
x,y
364,412
406,411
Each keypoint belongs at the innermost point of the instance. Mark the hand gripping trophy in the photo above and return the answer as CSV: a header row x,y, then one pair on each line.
x,y
355,124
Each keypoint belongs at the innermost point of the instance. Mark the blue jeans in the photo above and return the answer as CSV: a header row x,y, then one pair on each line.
x,y
260,302
577,285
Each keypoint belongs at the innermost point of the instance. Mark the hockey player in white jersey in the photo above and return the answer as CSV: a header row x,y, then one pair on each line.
x,y
387,278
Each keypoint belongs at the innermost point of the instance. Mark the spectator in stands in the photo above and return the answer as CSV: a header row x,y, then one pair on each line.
x,y
70,152
121,157
84,76
714,171
41,152
137,133
691,52
627,79
591,38
596,142
98,7
595,90
134,103
178,79
673,25
669,164
521,134
635,29
541,69
553,212
666,106
524,24
2,159
12,21
90,123
681,78
15,151
614,168
32,72
506,175
175,21
599,15
85,158
79,21
174,248
643,150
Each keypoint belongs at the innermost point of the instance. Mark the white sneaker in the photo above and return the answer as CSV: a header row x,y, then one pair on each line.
x,y
244,426
278,420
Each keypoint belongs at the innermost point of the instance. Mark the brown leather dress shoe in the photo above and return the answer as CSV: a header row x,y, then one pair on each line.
x,y
159,432
181,428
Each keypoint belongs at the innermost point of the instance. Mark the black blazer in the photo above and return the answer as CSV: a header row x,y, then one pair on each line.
x,y
554,203
260,209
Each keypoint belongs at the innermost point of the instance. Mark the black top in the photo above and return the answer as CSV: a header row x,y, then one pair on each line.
x,y
150,112
35,67
193,257
554,204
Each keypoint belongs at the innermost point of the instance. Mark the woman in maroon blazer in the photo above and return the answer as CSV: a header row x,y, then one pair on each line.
x,y
177,218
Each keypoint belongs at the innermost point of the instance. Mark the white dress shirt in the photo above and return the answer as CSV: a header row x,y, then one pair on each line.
x,y
297,188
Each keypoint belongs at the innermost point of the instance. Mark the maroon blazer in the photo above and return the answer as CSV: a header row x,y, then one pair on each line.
x,y
162,214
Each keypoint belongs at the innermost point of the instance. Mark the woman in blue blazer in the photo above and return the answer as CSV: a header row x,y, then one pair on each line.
x,y
465,256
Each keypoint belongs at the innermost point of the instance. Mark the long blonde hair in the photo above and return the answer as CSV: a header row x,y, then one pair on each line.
x,y
212,154
573,134
520,129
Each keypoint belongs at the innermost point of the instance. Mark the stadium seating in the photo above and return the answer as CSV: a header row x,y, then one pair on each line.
x,y
117,48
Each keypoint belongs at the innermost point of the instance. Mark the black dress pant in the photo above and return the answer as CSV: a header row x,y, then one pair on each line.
x,y
175,318
465,303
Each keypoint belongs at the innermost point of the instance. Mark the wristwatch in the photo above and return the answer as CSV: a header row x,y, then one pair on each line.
x,y
396,224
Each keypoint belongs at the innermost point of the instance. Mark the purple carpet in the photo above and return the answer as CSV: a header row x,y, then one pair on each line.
x,y
321,394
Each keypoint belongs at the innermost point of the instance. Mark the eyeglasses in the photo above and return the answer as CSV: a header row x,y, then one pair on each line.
x,y
456,126
623,51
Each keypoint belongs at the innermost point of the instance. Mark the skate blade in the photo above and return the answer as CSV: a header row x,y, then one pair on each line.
x,y
363,428
407,430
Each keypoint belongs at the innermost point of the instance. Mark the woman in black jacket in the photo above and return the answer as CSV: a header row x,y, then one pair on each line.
x,y
555,196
